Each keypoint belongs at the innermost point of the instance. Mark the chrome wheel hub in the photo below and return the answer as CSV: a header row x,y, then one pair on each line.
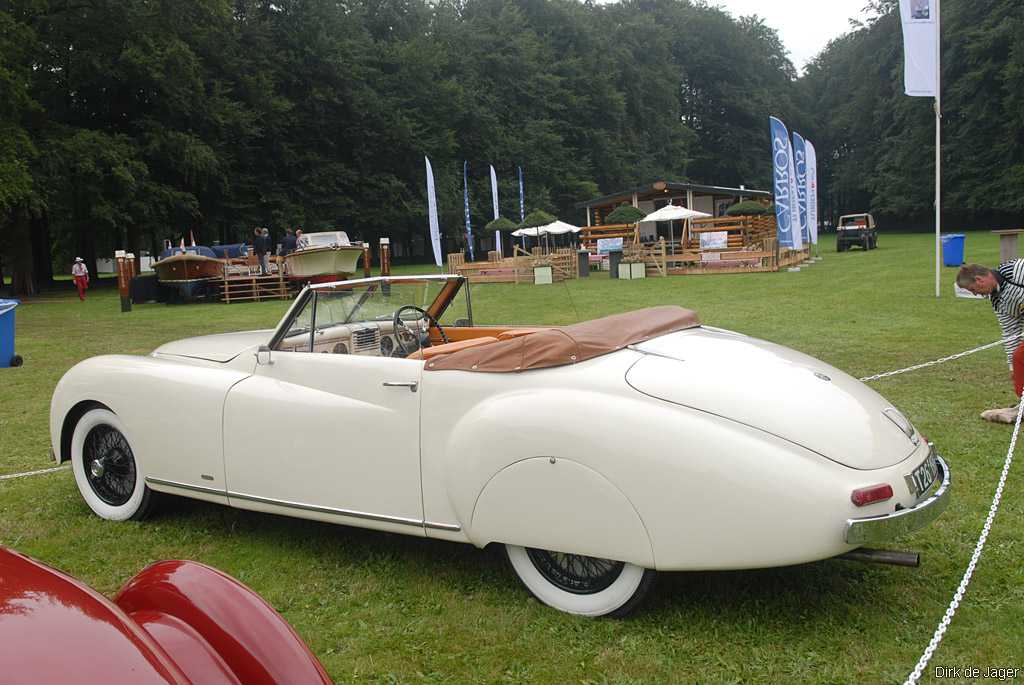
x,y
97,469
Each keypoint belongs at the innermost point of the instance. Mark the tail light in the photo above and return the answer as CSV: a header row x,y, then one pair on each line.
x,y
871,494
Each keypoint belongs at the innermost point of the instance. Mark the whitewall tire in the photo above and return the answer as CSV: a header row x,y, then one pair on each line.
x,y
578,584
106,470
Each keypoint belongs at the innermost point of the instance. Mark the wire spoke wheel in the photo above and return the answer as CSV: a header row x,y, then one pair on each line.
x,y
576,573
109,465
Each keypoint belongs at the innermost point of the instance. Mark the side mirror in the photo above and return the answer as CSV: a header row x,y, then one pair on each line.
x,y
260,352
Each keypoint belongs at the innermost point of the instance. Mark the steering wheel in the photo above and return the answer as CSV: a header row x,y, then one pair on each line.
x,y
423,314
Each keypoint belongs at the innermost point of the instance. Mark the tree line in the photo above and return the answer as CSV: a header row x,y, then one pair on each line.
x,y
127,122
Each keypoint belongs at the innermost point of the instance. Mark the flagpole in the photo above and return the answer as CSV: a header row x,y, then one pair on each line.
x,y
938,149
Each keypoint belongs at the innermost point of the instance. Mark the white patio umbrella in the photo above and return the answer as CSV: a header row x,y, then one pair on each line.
x,y
673,213
534,232
559,228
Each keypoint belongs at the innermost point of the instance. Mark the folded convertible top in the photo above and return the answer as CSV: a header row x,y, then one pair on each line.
x,y
567,344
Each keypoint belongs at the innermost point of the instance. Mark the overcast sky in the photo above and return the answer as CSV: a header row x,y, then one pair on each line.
x,y
805,26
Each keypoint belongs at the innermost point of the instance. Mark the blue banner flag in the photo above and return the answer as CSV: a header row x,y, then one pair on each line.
x,y
522,206
800,164
465,209
781,164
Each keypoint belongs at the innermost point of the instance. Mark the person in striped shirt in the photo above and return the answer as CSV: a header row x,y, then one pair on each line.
x,y
1004,287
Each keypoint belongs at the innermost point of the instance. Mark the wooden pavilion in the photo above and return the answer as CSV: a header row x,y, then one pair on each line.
x,y
717,244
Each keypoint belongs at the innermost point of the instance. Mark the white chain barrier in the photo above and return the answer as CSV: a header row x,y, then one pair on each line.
x,y
931,363
962,588
958,596
34,473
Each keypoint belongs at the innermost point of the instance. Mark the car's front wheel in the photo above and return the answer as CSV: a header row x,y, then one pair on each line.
x,y
579,584
105,468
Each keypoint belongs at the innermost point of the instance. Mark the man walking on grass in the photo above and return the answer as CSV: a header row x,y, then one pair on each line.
x,y
80,274
1004,286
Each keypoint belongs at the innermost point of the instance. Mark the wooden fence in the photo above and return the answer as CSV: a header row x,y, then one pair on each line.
x,y
518,268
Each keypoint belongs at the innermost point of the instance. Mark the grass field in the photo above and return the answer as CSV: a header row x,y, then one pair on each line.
x,y
383,608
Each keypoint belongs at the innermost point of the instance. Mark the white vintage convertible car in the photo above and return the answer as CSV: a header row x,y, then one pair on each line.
x,y
597,454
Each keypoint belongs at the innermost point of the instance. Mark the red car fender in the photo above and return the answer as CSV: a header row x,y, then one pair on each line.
x,y
56,629
210,623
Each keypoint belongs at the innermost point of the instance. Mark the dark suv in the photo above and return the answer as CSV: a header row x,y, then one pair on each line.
x,y
856,229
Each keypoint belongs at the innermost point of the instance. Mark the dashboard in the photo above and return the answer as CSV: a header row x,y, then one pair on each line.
x,y
370,338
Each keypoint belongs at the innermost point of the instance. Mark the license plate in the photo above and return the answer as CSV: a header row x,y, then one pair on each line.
x,y
923,476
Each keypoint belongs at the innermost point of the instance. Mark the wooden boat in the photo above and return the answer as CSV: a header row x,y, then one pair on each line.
x,y
189,270
323,254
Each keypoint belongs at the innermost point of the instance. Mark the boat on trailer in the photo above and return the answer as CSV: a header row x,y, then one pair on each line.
x,y
189,270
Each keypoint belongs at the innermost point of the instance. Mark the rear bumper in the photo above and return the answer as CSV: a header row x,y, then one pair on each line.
x,y
874,529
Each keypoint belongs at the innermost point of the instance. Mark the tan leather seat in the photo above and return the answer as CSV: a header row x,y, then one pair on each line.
x,y
428,352
516,332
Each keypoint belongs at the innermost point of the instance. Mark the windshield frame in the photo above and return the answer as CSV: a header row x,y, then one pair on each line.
x,y
454,283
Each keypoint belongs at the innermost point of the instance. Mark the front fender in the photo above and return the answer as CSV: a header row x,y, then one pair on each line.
x,y
171,409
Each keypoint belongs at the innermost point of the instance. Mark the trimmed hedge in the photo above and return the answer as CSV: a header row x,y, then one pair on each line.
x,y
537,217
624,214
501,224
748,208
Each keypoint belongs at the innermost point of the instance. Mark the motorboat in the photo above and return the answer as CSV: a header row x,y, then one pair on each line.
x,y
188,269
329,253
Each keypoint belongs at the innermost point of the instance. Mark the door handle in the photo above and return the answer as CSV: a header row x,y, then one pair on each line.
x,y
412,385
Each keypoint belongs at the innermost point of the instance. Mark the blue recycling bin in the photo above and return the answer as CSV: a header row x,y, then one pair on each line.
x,y
7,356
953,249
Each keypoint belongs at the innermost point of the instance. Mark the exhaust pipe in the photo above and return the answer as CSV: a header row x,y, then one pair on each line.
x,y
883,556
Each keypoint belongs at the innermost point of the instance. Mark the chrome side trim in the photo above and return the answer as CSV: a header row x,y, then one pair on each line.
x,y
186,486
308,507
401,520
888,526
453,527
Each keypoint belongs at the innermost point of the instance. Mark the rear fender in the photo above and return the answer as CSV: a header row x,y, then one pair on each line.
x,y
207,619
561,505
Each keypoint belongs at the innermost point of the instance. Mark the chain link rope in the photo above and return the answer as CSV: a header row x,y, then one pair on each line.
x,y
961,589
33,473
954,604
925,365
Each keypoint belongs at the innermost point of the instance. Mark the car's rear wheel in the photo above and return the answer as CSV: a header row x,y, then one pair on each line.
x,y
105,468
579,584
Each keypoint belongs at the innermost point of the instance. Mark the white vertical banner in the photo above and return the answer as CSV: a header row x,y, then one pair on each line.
x,y
798,242
811,159
494,199
435,231
922,74
920,52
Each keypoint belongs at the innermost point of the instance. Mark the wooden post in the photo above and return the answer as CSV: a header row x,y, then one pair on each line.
x,y
385,256
366,260
1008,244
123,279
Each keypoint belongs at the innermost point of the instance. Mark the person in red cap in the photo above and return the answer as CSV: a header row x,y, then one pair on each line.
x,y
81,275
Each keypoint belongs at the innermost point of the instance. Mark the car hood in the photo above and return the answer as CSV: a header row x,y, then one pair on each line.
x,y
777,390
216,348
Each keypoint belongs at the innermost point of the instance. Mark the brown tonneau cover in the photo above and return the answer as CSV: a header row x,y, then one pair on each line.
x,y
568,344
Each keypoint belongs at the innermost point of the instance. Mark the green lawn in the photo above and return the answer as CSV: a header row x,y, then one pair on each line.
x,y
384,608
